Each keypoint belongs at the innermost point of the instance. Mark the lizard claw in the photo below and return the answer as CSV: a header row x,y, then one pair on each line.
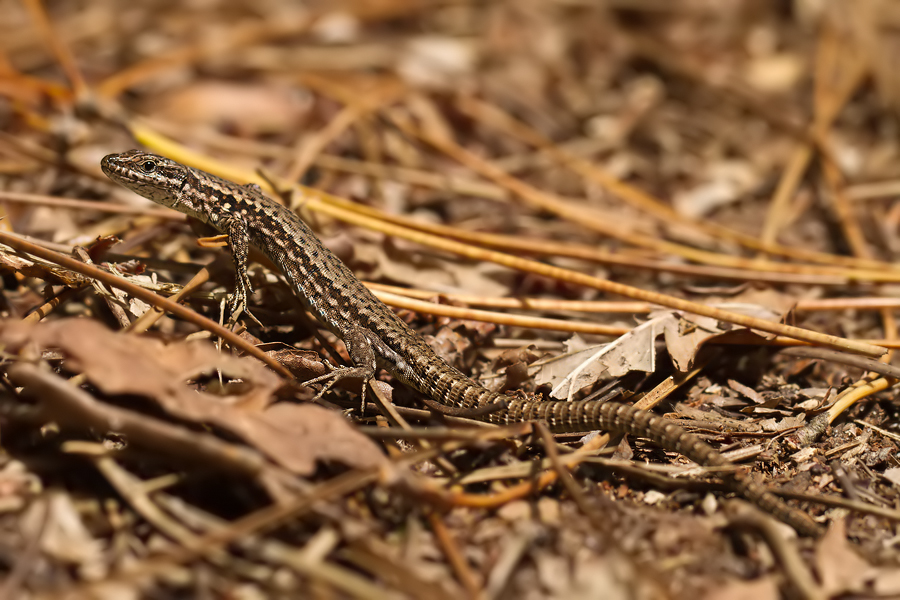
x,y
334,375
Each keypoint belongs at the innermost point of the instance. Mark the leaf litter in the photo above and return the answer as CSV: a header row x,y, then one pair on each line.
x,y
684,335
293,435
676,138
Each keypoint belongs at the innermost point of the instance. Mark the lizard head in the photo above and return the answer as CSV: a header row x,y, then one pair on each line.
x,y
152,176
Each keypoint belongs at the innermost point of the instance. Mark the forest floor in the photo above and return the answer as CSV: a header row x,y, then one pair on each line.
x,y
690,205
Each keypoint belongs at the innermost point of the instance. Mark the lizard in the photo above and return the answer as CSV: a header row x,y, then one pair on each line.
x,y
375,337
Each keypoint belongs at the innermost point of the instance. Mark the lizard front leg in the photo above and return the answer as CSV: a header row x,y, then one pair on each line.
x,y
239,242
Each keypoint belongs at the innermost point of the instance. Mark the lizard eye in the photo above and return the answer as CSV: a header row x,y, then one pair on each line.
x,y
148,167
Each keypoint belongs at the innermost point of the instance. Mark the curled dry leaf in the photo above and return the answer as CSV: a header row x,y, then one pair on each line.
x,y
295,436
634,351
684,335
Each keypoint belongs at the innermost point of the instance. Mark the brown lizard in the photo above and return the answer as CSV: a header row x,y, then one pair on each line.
x,y
375,337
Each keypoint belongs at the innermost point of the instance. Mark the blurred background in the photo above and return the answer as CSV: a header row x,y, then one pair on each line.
x,y
703,107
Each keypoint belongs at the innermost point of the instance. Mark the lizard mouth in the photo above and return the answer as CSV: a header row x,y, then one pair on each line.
x,y
106,164
112,168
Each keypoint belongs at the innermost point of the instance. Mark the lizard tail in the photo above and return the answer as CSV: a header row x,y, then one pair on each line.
x,y
589,415
451,388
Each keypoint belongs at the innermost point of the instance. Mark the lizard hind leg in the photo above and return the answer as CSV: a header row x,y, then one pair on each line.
x,y
363,358
338,373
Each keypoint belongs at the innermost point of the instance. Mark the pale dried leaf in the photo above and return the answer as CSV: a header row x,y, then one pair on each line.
x,y
63,534
841,570
776,73
634,351
437,61
893,475
252,109
887,583
576,343
723,183
684,335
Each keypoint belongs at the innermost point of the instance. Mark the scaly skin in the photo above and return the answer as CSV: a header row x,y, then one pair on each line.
x,y
375,337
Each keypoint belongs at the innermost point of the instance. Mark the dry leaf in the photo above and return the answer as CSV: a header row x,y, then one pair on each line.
x,y
840,568
887,583
63,534
118,364
776,73
634,351
437,62
722,183
301,434
684,335
252,109
893,475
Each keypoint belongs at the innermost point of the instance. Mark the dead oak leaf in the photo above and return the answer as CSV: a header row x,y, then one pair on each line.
x,y
295,436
